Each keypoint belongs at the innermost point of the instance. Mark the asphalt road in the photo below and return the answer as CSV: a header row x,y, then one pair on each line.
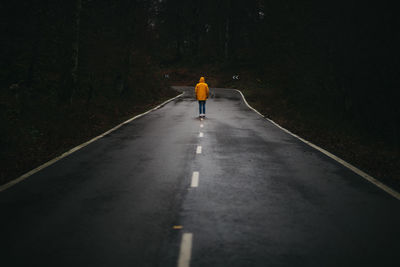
x,y
263,198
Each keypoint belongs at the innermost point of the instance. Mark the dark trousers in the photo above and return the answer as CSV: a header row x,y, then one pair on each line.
x,y
202,107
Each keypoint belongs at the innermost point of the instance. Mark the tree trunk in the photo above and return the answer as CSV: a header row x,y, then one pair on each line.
x,y
75,47
129,20
227,35
70,75
226,45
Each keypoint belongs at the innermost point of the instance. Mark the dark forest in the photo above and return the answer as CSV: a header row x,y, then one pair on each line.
x,y
72,69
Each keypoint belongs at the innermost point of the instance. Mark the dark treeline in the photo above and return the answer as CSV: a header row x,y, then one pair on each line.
x,y
76,48
335,58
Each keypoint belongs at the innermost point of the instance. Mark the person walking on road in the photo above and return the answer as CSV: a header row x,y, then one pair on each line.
x,y
202,92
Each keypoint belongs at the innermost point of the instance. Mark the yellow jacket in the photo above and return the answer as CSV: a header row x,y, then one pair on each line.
x,y
202,90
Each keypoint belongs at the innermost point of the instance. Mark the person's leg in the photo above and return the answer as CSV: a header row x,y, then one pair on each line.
x,y
201,104
199,108
204,108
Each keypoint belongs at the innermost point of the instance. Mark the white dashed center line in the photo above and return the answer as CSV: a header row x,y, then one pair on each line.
x,y
198,150
195,179
185,252
201,125
201,134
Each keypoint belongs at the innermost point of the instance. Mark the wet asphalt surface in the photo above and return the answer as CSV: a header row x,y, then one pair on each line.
x,y
264,198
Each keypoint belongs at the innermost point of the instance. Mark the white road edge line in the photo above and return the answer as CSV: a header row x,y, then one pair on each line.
x,y
69,152
201,134
364,175
195,179
198,150
185,252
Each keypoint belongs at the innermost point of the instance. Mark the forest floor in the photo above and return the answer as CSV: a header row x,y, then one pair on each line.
x,y
40,132
372,155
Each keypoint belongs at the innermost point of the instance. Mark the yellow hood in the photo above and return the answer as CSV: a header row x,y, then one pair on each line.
x,y
202,91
